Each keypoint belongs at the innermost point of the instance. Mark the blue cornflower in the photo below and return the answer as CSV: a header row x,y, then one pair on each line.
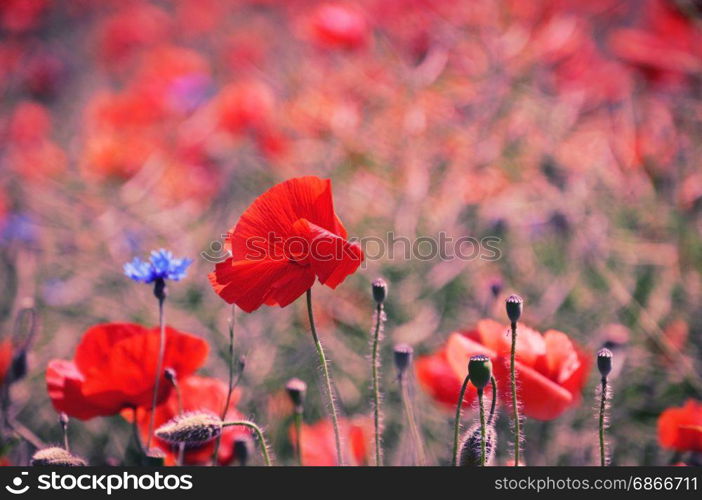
x,y
161,265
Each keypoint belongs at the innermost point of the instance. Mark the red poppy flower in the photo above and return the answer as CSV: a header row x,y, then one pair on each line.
x,y
198,393
114,369
318,444
285,239
5,359
551,369
681,428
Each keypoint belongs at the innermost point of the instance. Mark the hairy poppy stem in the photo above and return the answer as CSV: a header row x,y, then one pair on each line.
x,y
411,421
376,384
160,292
493,405
603,403
482,426
259,435
232,323
327,378
457,423
515,406
298,435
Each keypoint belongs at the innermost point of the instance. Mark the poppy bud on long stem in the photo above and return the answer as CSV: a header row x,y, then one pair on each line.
x,y
514,305
604,365
379,290
403,359
297,389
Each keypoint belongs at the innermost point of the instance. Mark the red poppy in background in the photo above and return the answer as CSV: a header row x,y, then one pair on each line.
x,y
287,237
114,369
318,449
551,368
338,26
198,393
681,428
5,359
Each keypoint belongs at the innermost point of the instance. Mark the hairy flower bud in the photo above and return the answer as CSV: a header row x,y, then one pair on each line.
x,y
469,455
57,457
193,428
403,357
380,290
514,305
480,370
296,390
604,361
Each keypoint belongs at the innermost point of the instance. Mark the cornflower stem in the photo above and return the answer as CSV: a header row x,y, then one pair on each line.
x,y
298,434
161,352
376,385
411,420
457,423
515,406
482,427
327,378
603,403
259,435
232,323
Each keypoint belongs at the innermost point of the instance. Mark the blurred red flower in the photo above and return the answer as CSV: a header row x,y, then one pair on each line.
x,y
287,237
114,366
318,449
338,26
198,393
681,428
551,368
5,359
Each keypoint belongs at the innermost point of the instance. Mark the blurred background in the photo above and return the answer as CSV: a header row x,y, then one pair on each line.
x,y
570,130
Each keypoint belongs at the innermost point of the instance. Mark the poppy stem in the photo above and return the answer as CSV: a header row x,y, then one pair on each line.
x,y
376,385
298,434
172,378
515,406
457,423
63,420
327,378
603,403
493,405
232,323
482,426
411,421
259,435
161,296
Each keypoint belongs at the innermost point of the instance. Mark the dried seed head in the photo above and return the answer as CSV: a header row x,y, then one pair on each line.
x,y
480,370
469,455
514,305
403,357
604,361
380,290
193,428
56,456
242,449
296,390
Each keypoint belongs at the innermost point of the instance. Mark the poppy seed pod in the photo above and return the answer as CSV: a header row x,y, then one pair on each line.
x,y
514,305
469,456
380,290
192,428
296,390
403,357
479,370
604,361
57,457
